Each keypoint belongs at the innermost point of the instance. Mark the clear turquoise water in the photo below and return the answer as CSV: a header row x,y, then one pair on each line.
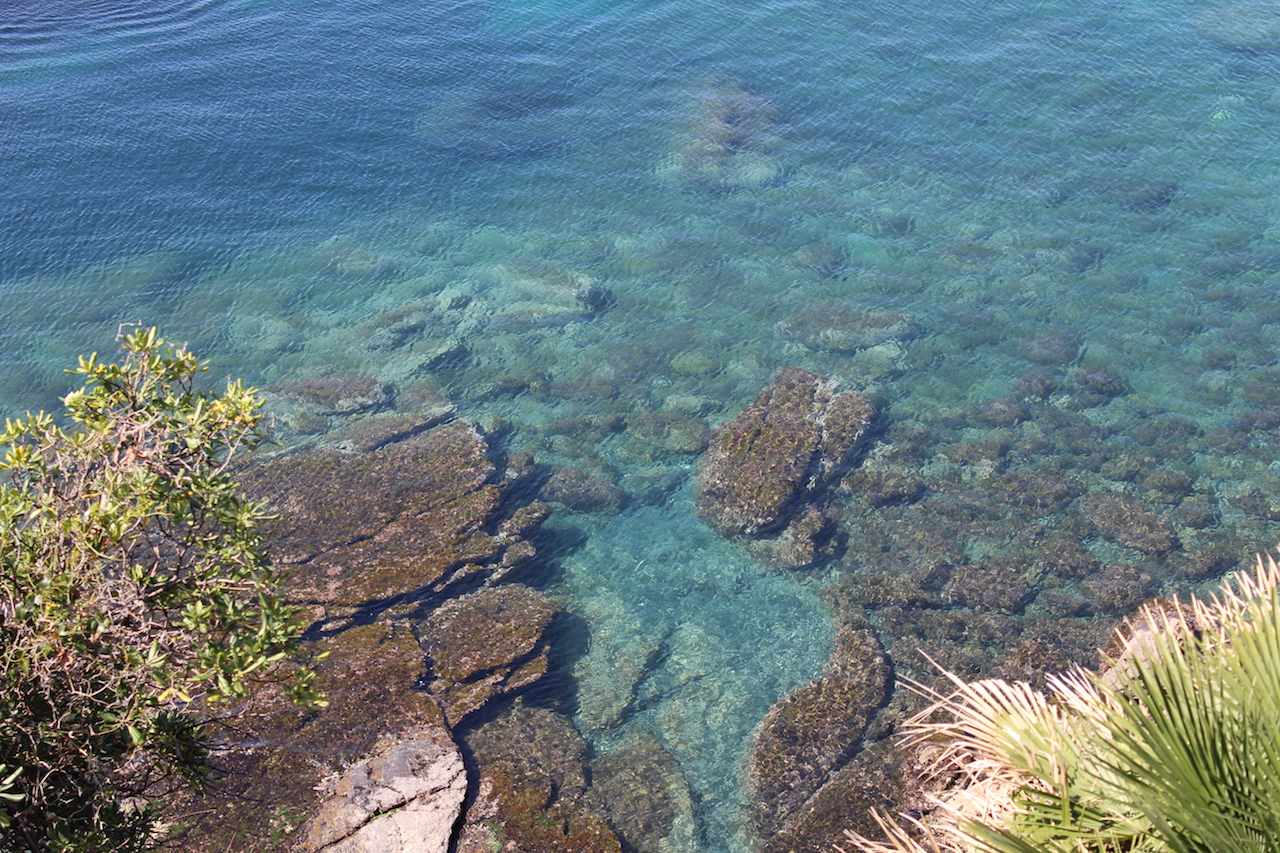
x,y
189,163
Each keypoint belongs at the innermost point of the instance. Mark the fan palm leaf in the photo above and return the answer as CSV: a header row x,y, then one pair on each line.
x,y
1177,749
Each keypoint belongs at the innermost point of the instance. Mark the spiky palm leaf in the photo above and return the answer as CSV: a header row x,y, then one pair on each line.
x,y
1177,750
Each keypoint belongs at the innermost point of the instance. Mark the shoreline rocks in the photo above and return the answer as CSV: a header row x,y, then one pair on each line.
x,y
406,798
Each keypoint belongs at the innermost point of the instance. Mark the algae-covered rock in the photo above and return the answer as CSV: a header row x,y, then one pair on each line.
x,y
817,728
656,435
793,442
1129,522
332,394
375,536
645,795
416,514
377,430
533,787
877,780
583,491
485,644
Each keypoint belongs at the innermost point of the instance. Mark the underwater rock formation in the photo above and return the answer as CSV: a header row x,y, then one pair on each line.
x,y
340,395
346,257
767,469
533,789
583,491
1129,522
726,146
837,328
878,779
533,293
645,796
1252,26
813,731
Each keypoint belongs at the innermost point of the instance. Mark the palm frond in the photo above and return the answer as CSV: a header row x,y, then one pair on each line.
x,y
1177,749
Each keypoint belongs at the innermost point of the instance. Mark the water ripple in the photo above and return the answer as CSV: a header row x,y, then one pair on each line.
x,y
35,31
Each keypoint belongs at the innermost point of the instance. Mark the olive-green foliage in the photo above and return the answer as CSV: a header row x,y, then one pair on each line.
x,y
133,598
1177,749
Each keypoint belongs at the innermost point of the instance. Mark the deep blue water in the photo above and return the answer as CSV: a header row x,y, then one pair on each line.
x,y
262,179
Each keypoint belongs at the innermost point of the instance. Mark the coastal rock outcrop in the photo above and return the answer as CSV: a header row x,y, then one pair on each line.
x,y
767,471
485,644
380,540
418,514
404,799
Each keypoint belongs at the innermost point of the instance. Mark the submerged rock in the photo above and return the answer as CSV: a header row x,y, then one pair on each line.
x,y
817,728
836,328
583,491
1251,26
796,439
726,145
877,780
534,293
533,787
346,257
341,395
1129,522
645,796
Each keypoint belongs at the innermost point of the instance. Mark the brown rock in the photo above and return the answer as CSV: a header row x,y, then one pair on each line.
x,y
669,432
583,491
415,514
485,644
533,784
876,780
645,795
813,731
1129,522
794,440
376,533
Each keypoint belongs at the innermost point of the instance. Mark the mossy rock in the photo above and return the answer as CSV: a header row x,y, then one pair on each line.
x,y
795,439
1129,522
816,729
485,644
534,787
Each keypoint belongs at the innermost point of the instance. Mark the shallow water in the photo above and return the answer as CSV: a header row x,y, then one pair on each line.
x,y
269,181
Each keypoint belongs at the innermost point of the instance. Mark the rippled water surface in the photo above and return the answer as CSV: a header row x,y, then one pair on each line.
x,y
566,214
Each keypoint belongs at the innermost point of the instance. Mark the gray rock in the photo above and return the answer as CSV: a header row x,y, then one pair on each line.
x,y
405,799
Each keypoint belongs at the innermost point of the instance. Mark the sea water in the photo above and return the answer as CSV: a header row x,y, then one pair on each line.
x,y
262,179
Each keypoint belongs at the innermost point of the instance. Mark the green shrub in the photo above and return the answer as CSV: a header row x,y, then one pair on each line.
x,y
133,599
